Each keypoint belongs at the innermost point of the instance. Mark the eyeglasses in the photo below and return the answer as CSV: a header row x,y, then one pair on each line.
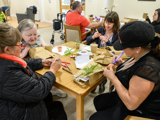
x,y
18,45
22,46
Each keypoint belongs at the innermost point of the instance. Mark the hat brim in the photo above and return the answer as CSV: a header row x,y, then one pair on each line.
x,y
118,46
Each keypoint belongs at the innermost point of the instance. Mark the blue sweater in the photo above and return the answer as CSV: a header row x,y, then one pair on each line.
x,y
98,41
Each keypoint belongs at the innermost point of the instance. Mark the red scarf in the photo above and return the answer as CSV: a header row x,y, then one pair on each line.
x,y
15,59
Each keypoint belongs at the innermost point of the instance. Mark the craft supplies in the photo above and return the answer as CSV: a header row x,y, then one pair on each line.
x,y
67,70
117,58
68,67
64,65
66,62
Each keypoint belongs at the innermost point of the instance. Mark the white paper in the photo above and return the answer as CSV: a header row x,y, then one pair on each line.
x,y
84,79
87,48
64,48
82,61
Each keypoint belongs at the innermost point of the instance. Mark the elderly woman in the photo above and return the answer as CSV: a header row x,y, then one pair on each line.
x,y
106,36
137,80
156,20
31,38
22,94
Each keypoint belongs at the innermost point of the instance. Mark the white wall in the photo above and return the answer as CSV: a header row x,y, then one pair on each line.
x,y
51,9
135,8
125,8
19,6
94,7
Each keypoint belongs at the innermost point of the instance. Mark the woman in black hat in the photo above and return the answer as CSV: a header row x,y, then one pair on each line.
x,y
137,80
156,20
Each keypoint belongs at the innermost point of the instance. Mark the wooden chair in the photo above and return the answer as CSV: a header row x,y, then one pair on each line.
x,y
102,16
132,19
73,33
136,118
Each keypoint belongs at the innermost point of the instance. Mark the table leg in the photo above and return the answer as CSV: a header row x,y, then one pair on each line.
x,y
80,107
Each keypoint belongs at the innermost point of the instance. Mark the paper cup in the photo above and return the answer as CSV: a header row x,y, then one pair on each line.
x,y
49,47
94,48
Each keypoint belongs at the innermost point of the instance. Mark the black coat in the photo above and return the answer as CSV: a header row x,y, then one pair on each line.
x,y
21,94
155,25
98,41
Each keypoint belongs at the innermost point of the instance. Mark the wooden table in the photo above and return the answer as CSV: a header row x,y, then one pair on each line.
x,y
64,81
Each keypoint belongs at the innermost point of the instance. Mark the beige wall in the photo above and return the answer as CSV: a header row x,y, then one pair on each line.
x,y
94,7
125,8
51,10
135,8
19,6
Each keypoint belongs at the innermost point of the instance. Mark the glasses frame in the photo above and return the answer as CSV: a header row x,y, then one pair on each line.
x,y
18,45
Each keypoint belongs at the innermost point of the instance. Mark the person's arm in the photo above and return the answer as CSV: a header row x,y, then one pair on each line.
x,y
139,89
148,20
93,38
25,51
23,88
95,24
43,43
157,29
34,64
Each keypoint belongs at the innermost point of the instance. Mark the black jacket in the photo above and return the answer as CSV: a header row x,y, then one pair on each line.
x,y
98,41
21,94
155,25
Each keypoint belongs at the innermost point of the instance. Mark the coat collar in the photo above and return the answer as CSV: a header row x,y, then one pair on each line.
x,y
14,58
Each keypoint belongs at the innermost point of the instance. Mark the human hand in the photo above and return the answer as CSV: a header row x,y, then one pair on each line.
x,y
103,38
47,62
55,66
109,73
119,61
27,47
96,35
147,17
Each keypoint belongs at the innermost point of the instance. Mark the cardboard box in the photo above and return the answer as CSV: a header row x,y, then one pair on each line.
x,y
145,15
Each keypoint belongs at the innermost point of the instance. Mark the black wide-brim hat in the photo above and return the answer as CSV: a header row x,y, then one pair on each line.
x,y
134,34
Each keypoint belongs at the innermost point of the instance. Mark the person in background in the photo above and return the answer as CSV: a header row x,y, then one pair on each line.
x,y
156,21
106,36
75,18
71,2
31,38
23,95
137,80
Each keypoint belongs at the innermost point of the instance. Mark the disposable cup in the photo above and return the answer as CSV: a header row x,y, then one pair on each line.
x,y
94,48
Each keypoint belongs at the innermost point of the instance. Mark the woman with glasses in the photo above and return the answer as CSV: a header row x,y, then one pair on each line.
x,y
23,96
156,21
137,80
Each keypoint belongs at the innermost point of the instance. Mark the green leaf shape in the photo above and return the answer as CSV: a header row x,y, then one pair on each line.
x,y
68,52
89,70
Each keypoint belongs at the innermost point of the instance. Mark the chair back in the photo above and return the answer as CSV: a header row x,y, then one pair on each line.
x,y
30,14
72,33
6,10
1,10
